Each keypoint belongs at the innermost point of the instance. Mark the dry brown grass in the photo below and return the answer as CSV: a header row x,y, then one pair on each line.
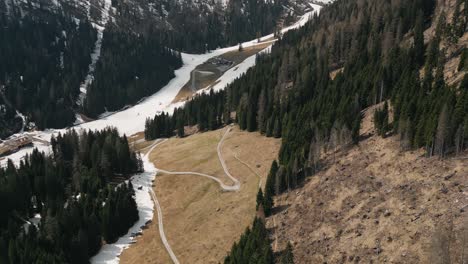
x,y
375,204
201,221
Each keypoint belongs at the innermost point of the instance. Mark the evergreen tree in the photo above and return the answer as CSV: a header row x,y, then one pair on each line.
x,y
287,256
419,39
260,199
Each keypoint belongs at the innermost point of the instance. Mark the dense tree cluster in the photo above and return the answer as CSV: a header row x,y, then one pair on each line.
x,y
197,26
43,60
253,247
205,110
247,19
130,67
10,122
80,192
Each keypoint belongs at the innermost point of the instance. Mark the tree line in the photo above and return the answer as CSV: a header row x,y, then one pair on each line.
x,y
205,110
81,191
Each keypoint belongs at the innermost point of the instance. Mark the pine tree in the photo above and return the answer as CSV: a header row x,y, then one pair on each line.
x,y
419,39
260,198
270,188
442,132
287,256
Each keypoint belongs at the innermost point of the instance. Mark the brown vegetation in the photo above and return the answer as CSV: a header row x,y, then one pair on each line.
x,y
202,222
377,204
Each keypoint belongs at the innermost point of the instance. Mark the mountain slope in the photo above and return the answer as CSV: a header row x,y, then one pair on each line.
x,y
375,203
312,88
70,37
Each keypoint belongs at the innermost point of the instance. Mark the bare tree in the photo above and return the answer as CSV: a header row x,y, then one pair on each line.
x,y
279,179
314,154
442,132
345,136
294,172
334,139
403,131
261,111
464,242
459,138
439,251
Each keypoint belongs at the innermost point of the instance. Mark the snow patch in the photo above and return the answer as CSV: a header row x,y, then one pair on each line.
x,y
96,52
22,118
110,253
35,220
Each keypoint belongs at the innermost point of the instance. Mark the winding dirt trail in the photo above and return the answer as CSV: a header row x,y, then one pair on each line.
x,y
234,187
250,168
223,186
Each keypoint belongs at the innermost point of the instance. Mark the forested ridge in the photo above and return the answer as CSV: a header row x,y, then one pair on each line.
x,y
81,192
130,68
44,60
377,52
200,26
45,57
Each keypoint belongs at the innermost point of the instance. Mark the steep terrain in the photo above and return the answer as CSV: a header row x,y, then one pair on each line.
x,y
374,203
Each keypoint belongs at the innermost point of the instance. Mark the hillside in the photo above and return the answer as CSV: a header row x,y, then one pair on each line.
x,y
201,220
374,203
350,133
92,57
312,90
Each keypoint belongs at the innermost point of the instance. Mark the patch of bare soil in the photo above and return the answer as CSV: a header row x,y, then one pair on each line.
x,y
201,221
377,204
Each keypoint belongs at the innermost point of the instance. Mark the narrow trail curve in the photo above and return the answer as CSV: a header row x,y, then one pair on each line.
x,y
223,186
162,235
223,163
251,169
